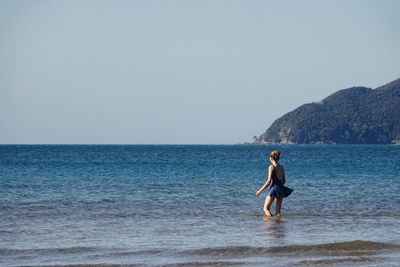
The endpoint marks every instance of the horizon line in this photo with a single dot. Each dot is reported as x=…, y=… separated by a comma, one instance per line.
x=174, y=144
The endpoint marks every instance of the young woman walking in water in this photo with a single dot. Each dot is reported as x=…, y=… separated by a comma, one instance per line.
x=276, y=178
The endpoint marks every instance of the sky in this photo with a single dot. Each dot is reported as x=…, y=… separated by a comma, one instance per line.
x=182, y=72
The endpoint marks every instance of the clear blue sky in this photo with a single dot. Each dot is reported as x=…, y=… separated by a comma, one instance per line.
x=165, y=72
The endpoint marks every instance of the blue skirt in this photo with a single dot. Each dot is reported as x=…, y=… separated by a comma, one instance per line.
x=279, y=191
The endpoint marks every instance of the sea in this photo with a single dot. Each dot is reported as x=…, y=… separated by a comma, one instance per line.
x=195, y=205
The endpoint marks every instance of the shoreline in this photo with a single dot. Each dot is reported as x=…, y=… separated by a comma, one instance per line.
x=348, y=252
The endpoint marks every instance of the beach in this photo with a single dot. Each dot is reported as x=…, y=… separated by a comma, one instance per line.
x=195, y=205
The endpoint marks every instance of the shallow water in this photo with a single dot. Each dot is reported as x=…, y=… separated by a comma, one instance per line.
x=196, y=205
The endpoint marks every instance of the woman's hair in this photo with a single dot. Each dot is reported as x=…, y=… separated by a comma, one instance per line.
x=275, y=154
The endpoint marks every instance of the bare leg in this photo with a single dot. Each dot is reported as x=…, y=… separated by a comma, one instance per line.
x=267, y=206
x=278, y=206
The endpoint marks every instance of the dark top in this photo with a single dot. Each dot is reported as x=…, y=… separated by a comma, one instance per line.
x=277, y=187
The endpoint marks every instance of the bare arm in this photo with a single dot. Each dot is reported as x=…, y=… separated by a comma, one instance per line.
x=266, y=183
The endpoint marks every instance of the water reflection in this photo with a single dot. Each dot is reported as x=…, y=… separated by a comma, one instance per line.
x=275, y=228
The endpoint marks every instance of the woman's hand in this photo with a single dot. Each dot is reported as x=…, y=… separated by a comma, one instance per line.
x=258, y=192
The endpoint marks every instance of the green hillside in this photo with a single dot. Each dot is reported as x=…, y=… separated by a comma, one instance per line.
x=357, y=115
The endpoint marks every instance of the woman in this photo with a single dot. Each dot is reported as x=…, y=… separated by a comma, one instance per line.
x=276, y=177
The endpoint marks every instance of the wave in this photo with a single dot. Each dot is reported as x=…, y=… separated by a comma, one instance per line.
x=119, y=254
x=351, y=248
x=87, y=265
x=67, y=250
x=206, y=263
x=336, y=261
x=179, y=264
x=340, y=214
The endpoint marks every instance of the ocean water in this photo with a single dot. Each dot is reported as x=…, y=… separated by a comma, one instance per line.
x=195, y=205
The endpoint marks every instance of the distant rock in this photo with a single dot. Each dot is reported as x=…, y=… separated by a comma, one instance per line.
x=356, y=115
